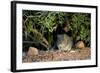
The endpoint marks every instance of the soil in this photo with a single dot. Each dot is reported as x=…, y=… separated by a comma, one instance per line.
x=56, y=55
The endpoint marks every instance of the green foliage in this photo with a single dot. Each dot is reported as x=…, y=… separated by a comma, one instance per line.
x=44, y=22
x=38, y=26
x=80, y=27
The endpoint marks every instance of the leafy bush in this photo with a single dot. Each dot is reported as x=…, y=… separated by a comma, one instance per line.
x=80, y=27
x=44, y=22
x=38, y=26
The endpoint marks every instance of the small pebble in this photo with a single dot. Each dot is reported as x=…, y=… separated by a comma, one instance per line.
x=80, y=45
x=32, y=51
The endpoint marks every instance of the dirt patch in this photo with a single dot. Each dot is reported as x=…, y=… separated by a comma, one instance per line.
x=45, y=56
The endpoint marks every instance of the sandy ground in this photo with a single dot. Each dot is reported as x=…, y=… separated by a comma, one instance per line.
x=45, y=56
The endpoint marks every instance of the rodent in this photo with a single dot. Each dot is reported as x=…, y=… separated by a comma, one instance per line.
x=64, y=42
